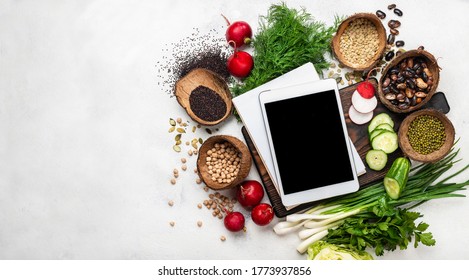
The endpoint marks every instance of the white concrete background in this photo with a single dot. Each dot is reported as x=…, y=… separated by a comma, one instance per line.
x=85, y=157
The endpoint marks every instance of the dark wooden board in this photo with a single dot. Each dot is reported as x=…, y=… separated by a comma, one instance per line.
x=359, y=136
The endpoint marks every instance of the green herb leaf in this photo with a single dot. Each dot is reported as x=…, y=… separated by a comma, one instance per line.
x=286, y=39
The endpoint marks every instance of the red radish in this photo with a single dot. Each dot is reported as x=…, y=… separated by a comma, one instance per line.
x=250, y=193
x=240, y=64
x=363, y=105
x=234, y=221
x=359, y=118
x=262, y=214
x=365, y=88
x=238, y=34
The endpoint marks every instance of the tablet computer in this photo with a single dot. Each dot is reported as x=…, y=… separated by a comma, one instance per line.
x=308, y=140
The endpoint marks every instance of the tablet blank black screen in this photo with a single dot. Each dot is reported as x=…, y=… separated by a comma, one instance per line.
x=309, y=142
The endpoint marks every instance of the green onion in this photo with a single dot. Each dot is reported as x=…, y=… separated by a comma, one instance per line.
x=422, y=186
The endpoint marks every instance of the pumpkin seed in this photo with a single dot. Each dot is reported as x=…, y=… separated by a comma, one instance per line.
x=177, y=148
x=180, y=130
x=201, y=141
x=178, y=142
x=193, y=128
x=171, y=129
x=172, y=122
x=177, y=138
x=347, y=76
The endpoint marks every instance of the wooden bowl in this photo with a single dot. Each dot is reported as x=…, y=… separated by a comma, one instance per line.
x=245, y=161
x=381, y=42
x=406, y=147
x=433, y=67
x=203, y=77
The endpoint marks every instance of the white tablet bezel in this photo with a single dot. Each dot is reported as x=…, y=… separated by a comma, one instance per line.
x=320, y=192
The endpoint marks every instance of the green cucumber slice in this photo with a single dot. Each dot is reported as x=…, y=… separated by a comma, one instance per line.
x=376, y=132
x=386, y=141
x=379, y=119
x=385, y=126
x=376, y=159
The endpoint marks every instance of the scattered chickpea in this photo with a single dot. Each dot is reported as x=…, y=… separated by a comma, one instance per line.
x=199, y=223
x=184, y=167
x=183, y=160
x=222, y=238
x=178, y=120
x=172, y=223
x=198, y=181
x=171, y=203
x=173, y=181
x=199, y=206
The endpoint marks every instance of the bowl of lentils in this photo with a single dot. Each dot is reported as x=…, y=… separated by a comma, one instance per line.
x=223, y=162
x=426, y=135
x=409, y=81
x=360, y=41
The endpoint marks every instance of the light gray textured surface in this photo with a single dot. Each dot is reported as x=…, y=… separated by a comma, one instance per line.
x=85, y=157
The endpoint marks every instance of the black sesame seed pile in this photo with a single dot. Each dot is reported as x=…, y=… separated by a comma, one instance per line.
x=207, y=104
x=209, y=51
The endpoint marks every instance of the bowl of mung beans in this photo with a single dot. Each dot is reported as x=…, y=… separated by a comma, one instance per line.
x=360, y=41
x=426, y=135
x=223, y=162
x=409, y=81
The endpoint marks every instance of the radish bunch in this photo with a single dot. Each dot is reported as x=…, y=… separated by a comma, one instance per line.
x=239, y=34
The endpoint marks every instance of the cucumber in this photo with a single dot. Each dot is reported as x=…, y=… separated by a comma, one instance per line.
x=376, y=132
x=376, y=159
x=385, y=126
x=396, y=177
x=386, y=141
x=379, y=119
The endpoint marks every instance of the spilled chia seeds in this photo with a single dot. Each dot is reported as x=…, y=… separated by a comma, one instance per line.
x=209, y=51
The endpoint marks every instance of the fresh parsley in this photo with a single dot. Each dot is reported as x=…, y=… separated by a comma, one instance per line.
x=384, y=228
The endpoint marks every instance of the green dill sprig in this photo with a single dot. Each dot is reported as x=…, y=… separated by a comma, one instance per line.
x=286, y=39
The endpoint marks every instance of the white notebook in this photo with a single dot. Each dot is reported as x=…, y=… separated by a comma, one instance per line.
x=249, y=109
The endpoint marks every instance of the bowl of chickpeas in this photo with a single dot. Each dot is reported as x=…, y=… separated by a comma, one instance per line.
x=223, y=162
x=360, y=41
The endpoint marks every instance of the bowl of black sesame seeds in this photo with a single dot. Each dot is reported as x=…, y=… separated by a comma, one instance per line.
x=426, y=135
x=205, y=96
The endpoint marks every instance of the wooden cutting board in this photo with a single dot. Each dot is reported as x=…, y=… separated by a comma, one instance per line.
x=359, y=136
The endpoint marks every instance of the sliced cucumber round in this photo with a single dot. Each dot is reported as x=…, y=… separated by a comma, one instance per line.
x=385, y=126
x=379, y=119
x=376, y=132
x=376, y=159
x=386, y=141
